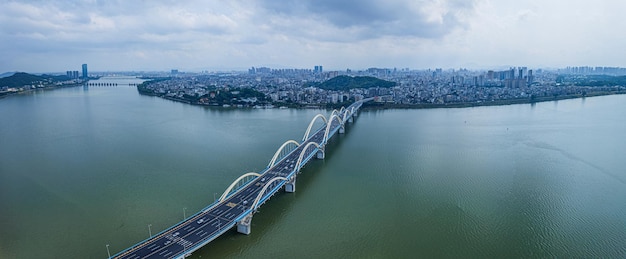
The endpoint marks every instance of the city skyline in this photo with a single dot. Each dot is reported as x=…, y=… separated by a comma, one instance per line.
x=54, y=36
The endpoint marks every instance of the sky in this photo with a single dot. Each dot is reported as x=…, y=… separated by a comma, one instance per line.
x=197, y=35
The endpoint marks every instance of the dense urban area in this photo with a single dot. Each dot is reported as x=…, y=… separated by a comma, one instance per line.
x=266, y=88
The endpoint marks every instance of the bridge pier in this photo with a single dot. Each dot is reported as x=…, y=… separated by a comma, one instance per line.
x=320, y=154
x=291, y=185
x=342, y=130
x=243, y=226
x=350, y=119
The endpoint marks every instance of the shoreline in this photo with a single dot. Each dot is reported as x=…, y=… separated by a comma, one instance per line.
x=384, y=106
x=12, y=93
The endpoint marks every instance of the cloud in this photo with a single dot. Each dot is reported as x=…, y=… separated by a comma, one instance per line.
x=164, y=34
x=366, y=19
x=107, y=21
x=78, y=28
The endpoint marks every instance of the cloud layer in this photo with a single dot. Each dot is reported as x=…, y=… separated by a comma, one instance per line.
x=368, y=19
x=55, y=35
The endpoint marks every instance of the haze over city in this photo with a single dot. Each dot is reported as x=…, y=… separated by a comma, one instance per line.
x=54, y=36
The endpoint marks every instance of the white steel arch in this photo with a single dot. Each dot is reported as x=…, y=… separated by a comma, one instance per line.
x=280, y=149
x=255, y=204
x=334, y=112
x=346, y=114
x=330, y=123
x=308, y=130
x=343, y=109
x=299, y=162
x=230, y=188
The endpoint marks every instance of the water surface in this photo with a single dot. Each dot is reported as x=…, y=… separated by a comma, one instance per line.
x=88, y=166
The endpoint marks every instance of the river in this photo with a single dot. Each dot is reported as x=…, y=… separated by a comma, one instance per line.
x=84, y=167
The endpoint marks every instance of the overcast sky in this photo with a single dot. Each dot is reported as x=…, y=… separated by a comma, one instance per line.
x=194, y=35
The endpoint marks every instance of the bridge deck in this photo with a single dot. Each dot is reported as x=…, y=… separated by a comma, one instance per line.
x=208, y=224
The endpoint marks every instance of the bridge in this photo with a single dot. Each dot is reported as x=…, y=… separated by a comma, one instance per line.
x=110, y=84
x=237, y=205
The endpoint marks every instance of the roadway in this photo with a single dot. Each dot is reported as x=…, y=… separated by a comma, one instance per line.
x=208, y=224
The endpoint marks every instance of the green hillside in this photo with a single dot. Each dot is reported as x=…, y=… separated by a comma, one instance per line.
x=20, y=79
x=342, y=83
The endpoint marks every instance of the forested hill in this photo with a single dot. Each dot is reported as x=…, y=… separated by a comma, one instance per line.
x=20, y=79
x=342, y=83
x=7, y=74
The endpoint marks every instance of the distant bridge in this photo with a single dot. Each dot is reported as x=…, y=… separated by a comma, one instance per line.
x=246, y=194
x=110, y=84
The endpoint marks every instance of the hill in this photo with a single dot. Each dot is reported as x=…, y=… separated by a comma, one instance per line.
x=341, y=83
x=7, y=74
x=20, y=79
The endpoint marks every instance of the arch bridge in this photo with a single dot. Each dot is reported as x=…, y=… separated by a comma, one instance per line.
x=243, y=198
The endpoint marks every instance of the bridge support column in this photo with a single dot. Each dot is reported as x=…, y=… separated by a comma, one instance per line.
x=320, y=154
x=350, y=119
x=291, y=185
x=243, y=226
x=342, y=130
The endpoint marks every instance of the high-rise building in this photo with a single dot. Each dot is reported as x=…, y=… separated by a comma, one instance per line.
x=72, y=74
x=85, y=74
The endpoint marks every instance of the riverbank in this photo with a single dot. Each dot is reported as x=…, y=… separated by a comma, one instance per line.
x=384, y=105
x=381, y=105
x=4, y=94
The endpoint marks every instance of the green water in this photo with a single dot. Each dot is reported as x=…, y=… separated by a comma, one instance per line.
x=84, y=167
